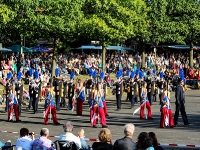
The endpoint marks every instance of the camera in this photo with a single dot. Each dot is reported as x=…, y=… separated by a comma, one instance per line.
x=30, y=133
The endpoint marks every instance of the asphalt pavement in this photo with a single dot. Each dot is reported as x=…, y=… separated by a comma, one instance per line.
x=116, y=120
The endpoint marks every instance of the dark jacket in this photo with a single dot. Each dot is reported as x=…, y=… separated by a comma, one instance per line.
x=124, y=144
x=179, y=95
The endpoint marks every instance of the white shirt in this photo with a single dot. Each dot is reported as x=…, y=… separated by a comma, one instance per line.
x=67, y=136
x=24, y=143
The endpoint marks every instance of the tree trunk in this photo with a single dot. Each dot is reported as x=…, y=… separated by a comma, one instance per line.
x=54, y=60
x=191, y=54
x=143, y=54
x=103, y=57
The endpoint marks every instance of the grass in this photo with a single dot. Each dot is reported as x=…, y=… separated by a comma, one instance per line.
x=82, y=77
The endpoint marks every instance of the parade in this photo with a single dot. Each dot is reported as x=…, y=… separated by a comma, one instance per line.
x=141, y=92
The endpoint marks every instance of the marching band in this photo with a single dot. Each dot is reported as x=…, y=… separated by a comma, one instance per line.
x=138, y=87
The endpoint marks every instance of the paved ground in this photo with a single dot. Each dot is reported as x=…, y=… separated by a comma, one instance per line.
x=115, y=121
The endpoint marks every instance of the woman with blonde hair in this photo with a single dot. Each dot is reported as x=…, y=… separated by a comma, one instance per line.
x=144, y=102
x=105, y=141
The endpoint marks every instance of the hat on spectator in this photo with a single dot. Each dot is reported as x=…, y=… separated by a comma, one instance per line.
x=72, y=76
x=9, y=75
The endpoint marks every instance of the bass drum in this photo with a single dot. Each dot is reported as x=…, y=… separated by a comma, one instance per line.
x=175, y=80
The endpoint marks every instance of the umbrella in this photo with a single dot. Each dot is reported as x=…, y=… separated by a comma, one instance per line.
x=41, y=49
x=5, y=50
x=17, y=48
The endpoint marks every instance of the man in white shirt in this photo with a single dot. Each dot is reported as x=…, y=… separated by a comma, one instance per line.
x=68, y=135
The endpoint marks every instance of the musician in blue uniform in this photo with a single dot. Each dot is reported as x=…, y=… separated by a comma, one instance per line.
x=36, y=91
x=71, y=90
x=127, y=86
x=19, y=90
x=118, y=85
x=57, y=85
x=31, y=88
x=49, y=106
x=153, y=88
x=161, y=86
x=8, y=84
x=132, y=85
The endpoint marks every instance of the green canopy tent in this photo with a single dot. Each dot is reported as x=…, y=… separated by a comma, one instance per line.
x=17, y=48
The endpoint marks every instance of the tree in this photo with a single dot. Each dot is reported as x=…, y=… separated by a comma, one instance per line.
x=175, y=21
x=112, y=21
x=60, y=20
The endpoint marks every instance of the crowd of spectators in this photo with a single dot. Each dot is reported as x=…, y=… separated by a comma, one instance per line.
x=81, y=63
x=27, y=141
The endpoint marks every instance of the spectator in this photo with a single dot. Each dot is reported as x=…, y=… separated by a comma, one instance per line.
x=155, y=141
x=25, y=141
x=144, y=142
x=105, y=141
x=126, y=143
x=69, y=136
x=83, y=142
x=42, y=143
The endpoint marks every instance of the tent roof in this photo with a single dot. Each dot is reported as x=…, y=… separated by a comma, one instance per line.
x=41, y=49
x=100, y=47
x=17, y=48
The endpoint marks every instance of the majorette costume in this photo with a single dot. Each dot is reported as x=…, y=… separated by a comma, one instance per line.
x=166, y=118
x=13, y=106
x=80, y=100
x=49, y=106
x=102, y=75
x=144, y=102
x=98, y=110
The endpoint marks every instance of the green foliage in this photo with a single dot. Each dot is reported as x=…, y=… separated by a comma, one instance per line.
x=175, y=20
x=112, y=21
x=6, y=14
